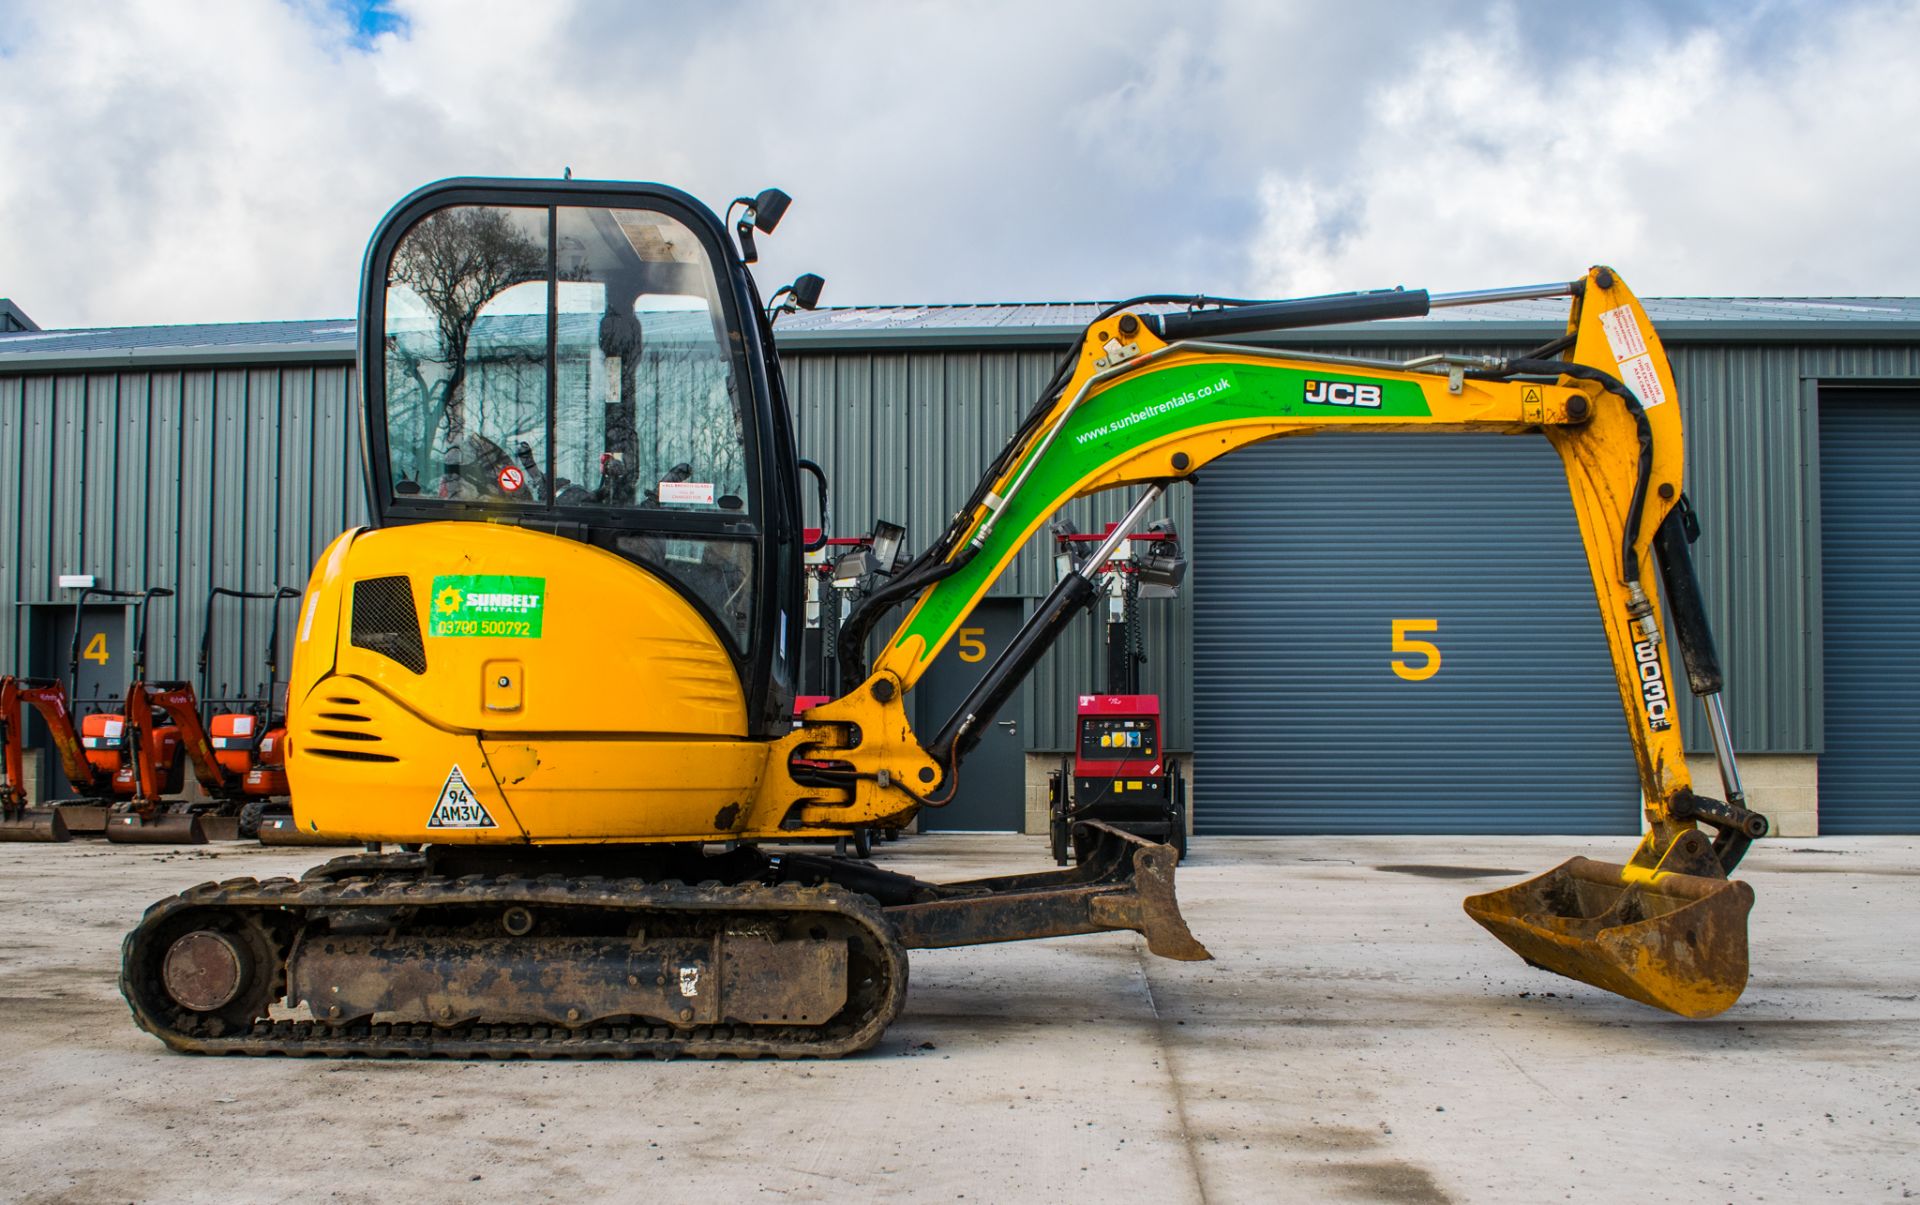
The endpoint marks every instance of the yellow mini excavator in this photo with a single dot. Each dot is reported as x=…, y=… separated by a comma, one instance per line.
x=558, y=669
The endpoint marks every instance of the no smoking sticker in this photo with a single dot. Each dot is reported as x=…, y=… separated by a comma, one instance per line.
x=511, y=479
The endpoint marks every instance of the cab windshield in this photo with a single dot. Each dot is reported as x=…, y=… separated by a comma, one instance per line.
x=560, y=357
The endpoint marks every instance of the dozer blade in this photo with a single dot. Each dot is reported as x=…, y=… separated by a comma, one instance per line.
x=281, y=830
x=84, y=819
x=35, y=824
x=1675, y=941
x=161, y=830
x=1125, y=882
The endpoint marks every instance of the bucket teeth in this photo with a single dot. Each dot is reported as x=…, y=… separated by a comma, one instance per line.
x=1675, y=941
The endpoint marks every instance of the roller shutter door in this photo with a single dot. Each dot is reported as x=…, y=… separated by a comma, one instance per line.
x=1305, y=553
x=1870, y=554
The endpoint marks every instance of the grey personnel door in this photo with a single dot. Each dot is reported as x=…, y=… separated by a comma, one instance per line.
x=992, y=792
x=102, y=677
x=1398, y=634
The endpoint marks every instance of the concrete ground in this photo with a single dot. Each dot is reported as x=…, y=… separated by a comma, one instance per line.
x=1357, y=1039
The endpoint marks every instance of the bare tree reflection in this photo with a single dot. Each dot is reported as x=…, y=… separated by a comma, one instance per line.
x=456, y=261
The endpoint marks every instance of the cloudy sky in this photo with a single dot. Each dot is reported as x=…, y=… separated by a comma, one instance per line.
x=226, y=159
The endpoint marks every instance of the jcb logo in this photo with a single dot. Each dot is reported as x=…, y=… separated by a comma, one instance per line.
x=1653, y=685
x=1343, y=393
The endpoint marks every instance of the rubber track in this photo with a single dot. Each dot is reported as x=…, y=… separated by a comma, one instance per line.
x=275, y=899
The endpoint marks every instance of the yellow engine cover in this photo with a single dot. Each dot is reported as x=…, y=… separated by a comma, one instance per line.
x=546, y=691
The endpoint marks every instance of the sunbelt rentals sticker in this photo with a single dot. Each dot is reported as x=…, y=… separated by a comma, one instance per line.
x=458, y=807
x=487, y=604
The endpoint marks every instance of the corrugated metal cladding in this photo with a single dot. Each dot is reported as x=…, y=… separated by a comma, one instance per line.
x=184, y=478
x=1307, y=552
x=1870, y=519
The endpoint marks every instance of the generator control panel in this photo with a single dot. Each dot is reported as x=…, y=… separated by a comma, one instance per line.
x=1112, y=738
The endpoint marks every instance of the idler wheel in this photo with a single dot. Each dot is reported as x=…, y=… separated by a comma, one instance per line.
x=204, y=970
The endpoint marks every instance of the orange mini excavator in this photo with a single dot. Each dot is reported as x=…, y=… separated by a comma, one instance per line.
x=237, y=752
x=103, y=755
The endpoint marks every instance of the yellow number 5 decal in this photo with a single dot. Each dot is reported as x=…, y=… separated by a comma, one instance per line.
x=1426, y=669
x=972, y=648
x=97, y=648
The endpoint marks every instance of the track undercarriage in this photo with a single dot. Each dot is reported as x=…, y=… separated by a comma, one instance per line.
x=461, y=954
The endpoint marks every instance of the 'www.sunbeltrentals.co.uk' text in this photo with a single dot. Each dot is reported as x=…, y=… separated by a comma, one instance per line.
x=1154, y=411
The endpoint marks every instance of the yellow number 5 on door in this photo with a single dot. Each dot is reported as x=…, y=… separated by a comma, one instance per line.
x=1427, y=649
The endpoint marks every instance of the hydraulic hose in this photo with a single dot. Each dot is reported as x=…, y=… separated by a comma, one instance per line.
x=1289, y=315
x=1629, y=559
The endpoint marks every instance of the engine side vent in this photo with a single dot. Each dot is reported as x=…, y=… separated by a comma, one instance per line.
x=385, y=622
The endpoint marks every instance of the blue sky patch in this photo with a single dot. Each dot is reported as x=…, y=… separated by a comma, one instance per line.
x=368, y=19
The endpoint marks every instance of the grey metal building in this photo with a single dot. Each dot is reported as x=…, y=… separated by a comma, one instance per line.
x=228, y=455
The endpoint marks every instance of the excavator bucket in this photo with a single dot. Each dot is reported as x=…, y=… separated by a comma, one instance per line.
x=161, y=830
x=220, y=828
x=1675, y=941
x=34, y=824
x=83, y=819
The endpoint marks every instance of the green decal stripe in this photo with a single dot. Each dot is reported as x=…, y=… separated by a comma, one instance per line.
x=487, y=604
x=1139, y=411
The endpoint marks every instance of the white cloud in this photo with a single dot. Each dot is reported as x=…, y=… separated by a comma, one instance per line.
x=227, y=160
x=1690, y=163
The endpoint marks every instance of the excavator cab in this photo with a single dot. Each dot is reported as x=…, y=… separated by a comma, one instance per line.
x=589, y=360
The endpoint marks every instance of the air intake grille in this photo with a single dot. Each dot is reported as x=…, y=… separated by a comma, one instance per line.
x=385, y=622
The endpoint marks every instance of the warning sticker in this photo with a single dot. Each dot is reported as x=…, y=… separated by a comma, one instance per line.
x=487, y=604
x=1623, y=333
x=1643, y=378
x=457, y=807
x=511, y=479
x=698, y=492
x=1531, y=406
